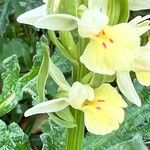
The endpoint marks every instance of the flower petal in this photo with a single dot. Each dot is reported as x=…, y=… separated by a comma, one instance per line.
x=139, y=19
x=48, y=107
x=136, y=5
x=126, y=87
x=142, y=61
x=98, y=4
x=110, y=95
x=109, y=51
x=100, y=123
x=105, y=113
x=58, y=76
x=30, y=17
x=143, y=78
x=60, y=22
x=79, y=93
x=91, y=23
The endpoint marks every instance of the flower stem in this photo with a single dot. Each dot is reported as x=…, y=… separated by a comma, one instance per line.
x=75, y=135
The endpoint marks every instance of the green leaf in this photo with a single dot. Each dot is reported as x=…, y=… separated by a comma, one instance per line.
x=61, y=62
x=135, y=143
x=13, y=86
x=13, y=138
x=53, y=136
x=4, y=11
x=43, y=73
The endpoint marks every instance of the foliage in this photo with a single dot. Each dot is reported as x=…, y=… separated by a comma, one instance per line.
x=53, y=136
x=13, y=138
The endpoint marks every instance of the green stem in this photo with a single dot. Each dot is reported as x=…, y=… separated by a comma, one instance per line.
x=75, y=135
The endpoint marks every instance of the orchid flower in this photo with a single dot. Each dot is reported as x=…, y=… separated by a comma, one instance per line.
x=102, y=107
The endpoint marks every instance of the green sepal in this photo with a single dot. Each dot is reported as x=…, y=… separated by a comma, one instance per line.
x=95, y=80
x=61, y=122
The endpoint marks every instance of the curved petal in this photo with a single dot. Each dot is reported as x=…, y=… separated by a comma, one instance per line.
x=136, y=5
x=58, y=76
x=30, y=17
x=143, y=78
x=60, y=22
x=105, y=113
x=139, y=19
x=47, y=107
x=126, y=87
x=79, y=93
x=108, y=52
x=91, y=23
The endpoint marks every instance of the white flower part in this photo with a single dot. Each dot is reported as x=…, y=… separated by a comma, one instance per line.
x=30, y=17
x=98, y=4
x=135, y=21
x=48, y=107
x=58, y=76
x=79, y=93
x=126, y=87
x=136, y=5
x=91, y=23
x=60, y=22
x=142, y=61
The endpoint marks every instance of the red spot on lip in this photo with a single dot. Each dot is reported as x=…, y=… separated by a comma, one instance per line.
x=111, y=40
x=101, y=100
x=104, y=45
x=98, y=108
x=103, y=32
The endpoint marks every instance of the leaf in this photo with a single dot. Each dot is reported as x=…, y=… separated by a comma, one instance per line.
x=13, y=86
x=53, y=136
x=61, y=62
x=135, y=143
x=12, y=137
x=137, y=121
x=4, y=11
x=15, y=46
x=43, y=73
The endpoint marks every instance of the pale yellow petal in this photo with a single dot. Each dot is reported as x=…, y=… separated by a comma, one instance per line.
x=111, y=51
x=143, y=78
x=142, y=61
x=109, y=94
x=105, y=113
x=100, y=122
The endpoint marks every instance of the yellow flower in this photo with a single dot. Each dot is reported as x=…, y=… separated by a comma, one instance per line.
x=112, y=50
x=105, y=112
x=102, y=107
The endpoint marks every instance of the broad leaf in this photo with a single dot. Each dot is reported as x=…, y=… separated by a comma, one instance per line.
x=13, y=138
